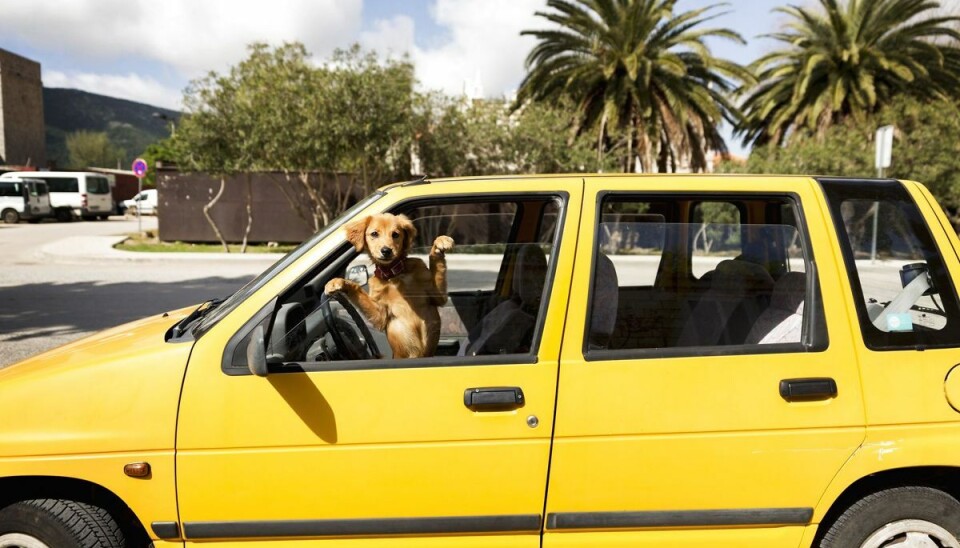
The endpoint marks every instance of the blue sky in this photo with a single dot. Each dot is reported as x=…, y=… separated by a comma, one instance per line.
x=148, y=51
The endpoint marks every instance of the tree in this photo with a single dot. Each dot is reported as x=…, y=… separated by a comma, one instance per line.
x=637, y=71
x=92, y=149
x=926, y=146
x=460, y=137
x=849, y=59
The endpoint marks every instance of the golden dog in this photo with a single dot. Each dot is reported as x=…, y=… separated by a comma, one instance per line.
x=404, y=293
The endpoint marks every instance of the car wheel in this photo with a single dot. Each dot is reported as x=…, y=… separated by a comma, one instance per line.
x=53, y=523
x=903, y=517
x=10, y=216
x=102, y=217
x=64, y=215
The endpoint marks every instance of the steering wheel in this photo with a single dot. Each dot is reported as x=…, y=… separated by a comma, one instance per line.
x=349, y=338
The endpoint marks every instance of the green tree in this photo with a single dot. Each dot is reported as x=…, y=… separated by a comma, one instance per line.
x=92, y=149
x=637, y=71
x=849, y=59
x=926, y=146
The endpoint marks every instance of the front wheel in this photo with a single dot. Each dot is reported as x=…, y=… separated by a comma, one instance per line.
x=902, y=517
x=54, y=523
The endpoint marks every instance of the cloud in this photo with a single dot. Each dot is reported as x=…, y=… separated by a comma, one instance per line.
x=393, y=36
x=190, y=36
x=484, y=53
x=131, y=87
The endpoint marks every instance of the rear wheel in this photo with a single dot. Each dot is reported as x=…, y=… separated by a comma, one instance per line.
x=10, y=216
x=903, y=517
x=53, y=523
x=63, y=215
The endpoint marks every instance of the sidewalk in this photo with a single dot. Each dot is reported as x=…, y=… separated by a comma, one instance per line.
x=98, y=249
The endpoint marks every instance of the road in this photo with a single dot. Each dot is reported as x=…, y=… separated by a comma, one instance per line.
x=44, y=304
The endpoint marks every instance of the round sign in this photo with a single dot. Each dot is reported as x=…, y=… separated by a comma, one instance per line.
x=140, y=168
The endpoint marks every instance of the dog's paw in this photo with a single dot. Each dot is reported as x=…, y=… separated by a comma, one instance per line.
x=335, y=285
x=441, y=245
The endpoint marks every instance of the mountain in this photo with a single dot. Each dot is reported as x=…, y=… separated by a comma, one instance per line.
x=130, y=126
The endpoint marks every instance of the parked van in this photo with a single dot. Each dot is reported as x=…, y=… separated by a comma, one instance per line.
x=26, y=199
x=74, y=193
x=146, y=202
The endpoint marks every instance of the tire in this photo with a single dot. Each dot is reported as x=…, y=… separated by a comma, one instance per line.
x=102, y=217
x=63, y=215
x=10, y=216
x=53, y=523
x=923, y=515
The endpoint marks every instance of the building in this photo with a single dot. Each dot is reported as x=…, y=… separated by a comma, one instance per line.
x=21, y=112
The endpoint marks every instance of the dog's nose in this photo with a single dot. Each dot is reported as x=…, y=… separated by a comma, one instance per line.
x=386, y=252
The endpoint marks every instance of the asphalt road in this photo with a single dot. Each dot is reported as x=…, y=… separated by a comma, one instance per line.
x=44, y=304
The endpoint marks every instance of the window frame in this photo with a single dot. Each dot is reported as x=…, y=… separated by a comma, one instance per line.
x=815, y=335
x=874, y=338
x=340, y=256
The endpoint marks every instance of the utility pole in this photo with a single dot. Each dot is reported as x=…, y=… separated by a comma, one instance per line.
x=884, y=140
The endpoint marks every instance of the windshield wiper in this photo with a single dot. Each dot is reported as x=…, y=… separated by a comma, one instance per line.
x=181, y=327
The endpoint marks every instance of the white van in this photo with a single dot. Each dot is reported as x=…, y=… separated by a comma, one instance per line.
x=146, y=202
x=22, y=198
x=73, y=193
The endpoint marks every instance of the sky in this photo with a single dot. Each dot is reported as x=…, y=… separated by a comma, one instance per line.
x=149, y=50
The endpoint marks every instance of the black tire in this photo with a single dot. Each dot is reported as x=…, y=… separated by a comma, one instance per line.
x=102, y=217
x=62, y=523
x=63, y=215
x=875, y=511
x=10, y=216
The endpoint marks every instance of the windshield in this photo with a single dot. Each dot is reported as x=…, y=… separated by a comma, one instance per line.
x=234, y=300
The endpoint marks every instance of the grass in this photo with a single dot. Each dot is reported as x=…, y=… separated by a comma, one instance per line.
x=151, y=244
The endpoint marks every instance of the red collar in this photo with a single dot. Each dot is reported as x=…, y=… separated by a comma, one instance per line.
x=392, y=270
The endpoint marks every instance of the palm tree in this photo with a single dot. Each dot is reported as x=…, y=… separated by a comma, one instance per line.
x=634, y=68
x=849, y=59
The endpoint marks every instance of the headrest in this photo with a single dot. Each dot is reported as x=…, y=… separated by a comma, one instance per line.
x=606, y=295
x=735, y=275
x=789, y=291
x=529, y=274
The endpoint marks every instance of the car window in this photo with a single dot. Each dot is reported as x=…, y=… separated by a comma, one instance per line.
x=497, y=276
x=676, y=274
x=904, y=295
x=62, y=184
x=11, y=190
x=98, y=185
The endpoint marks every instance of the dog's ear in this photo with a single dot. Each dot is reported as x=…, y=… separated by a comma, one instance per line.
x=409, y=232
x=356, y=232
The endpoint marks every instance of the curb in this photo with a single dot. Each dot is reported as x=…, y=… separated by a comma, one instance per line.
x=99, y=249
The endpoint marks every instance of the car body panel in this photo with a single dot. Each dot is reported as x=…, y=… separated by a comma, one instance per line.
x=108, y=400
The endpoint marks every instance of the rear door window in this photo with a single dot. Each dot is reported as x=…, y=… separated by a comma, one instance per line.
x=903, y=293
x=98, y=185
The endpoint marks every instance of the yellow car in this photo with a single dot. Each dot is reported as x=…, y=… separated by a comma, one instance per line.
x=723, y=361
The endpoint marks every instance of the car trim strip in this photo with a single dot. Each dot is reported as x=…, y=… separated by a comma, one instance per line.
x=679, y=518
x=166, y=529
x=362, y=527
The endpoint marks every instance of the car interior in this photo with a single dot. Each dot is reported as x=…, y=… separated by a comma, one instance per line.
x=497, y=276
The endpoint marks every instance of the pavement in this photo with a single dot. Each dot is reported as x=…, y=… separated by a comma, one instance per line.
x=62, y=281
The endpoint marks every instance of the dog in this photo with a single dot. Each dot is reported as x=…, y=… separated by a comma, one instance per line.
x=404, y=293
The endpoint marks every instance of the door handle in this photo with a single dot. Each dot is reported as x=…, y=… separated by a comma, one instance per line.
x=808, y=389
x=494, y=398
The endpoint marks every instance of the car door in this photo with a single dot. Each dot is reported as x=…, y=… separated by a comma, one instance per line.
x=713, y=408
x=383, y=452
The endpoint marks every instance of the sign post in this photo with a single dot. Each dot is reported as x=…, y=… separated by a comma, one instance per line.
x=884, y=155
x=140, y=170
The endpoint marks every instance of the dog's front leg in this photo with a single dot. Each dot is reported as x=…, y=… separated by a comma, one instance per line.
x=375, y=313
x=438, y=267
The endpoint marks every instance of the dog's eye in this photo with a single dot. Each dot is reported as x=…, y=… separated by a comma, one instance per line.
x=374, y=234
x=395, y=235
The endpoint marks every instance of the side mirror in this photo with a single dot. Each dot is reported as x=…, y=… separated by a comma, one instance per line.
x=257, y=352
x=358, y=274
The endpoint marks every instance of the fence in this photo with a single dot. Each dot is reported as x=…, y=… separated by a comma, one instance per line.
x=281, y=210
